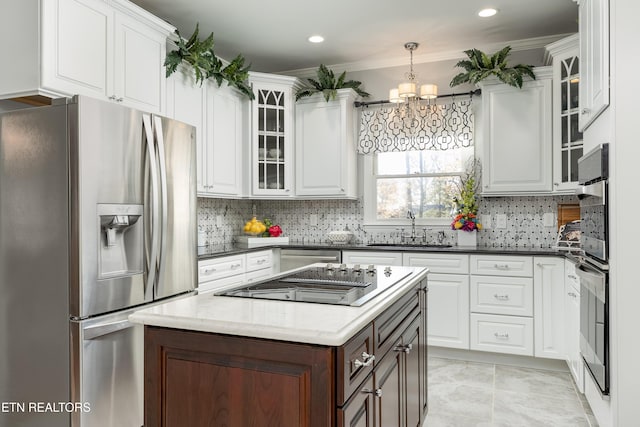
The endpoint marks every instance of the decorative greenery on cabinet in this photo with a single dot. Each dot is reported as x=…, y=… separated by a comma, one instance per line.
x=479, y=66
x=328, y=85
x=200, y=55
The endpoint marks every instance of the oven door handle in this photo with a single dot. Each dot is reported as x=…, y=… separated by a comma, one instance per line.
x=593, y=281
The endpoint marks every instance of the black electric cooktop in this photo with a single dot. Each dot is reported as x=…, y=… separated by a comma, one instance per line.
x=330, y=284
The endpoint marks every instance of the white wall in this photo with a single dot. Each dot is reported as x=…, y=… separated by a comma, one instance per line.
x=625, y=202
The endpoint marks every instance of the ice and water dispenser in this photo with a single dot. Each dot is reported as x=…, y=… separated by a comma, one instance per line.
x=121, y=248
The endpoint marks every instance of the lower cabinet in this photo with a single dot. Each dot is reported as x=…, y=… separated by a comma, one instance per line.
x=572, y=324
x=233, y=270
x=549, y=313
x=378, y=378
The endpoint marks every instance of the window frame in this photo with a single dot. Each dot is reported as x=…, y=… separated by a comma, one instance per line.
x=370, y=196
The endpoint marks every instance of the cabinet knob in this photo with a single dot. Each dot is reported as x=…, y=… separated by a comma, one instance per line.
x=573, y=295
x=377, y=392
x=584, y=111
x=119, y=99
x=556, y=184
x=112, y=97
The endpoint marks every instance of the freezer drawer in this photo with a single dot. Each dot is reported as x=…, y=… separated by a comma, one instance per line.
x=108, y=371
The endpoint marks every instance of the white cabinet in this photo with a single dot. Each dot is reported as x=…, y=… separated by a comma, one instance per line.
x=567, y=138
x=325, y=146
x=225, y=113
x=369, y=257
x=224, y=272
x=272, y=113
x=548, y=280
x=107, y=49
x=593, y=23
x=572, y=324
x=219, y=115
x=502, y=304
x=448, y=301
x=516, y=136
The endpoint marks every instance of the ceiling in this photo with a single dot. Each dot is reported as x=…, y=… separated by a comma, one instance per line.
x=272, y=34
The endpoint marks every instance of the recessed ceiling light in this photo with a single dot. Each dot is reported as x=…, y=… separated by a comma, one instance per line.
x=485, y=13
x=316, y=39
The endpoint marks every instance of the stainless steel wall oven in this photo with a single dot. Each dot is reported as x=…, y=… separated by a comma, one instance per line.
x=593, y=174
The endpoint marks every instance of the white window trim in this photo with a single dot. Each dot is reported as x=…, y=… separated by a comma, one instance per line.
x=370, y=205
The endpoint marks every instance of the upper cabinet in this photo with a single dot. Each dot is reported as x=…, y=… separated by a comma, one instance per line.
x=593, y=24
x=325, y=146
x=272, y=130
x=219, y=115
x=516, y=136
x=567, y=138
x=107, y=49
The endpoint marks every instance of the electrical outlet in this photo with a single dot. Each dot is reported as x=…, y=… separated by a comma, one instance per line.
x=485, y=220
x=548, y=220
x=501, y=221
x=313, y=220
x=218, y=221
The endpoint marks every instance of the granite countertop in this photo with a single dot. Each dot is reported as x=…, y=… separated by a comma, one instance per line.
x=292, y=321
x=213, y=251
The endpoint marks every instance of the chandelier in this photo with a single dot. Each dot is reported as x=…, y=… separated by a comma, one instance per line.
x=410, y=92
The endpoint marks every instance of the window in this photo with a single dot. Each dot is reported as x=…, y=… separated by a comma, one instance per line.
x=420, y=181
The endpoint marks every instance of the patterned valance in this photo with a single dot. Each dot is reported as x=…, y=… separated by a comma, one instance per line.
x=427, y=127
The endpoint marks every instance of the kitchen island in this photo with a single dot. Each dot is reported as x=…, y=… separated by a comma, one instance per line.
x=222, y=361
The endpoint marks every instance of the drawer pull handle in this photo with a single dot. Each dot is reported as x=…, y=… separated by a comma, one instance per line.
x=261, y=261
x=404, y=348
x=571, y=276
x=501, y=266
x=503, y=336
x=499, y=297
x=377, y=392
x=367, y=360
x=234, y=266
x=573, y=295
x=209, y=270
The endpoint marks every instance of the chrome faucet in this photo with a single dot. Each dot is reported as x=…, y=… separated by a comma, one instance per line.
x=412, y=217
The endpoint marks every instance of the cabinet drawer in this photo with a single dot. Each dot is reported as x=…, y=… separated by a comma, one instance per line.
x=221, y=284
x=388, y=327
x=368, y=257
x=521, y=266
x=350, y=356
x=502, y=334
x=217, y=268
x=438, y=263
x=259, y=260
x=502, y=295
x=257, y=275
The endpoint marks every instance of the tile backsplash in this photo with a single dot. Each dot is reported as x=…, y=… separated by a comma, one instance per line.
x=222, y=219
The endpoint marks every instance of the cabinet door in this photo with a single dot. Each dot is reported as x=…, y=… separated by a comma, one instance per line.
x=517, y=137
x=224, y=140
x=594, y=59
x=272, y=140
x=139, y=74
x=359, y=412
x=415, y=355
x=448, y=310
x=325, y=152
x=77, y=46
x=572, y=325
x=548, y=285
x=186, y=102
x=388, y=385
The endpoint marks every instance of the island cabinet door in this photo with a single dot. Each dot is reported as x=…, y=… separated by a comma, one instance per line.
x=359, y=411
x=199, y=379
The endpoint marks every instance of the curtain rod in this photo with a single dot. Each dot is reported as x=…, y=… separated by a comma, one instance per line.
x=386, y=101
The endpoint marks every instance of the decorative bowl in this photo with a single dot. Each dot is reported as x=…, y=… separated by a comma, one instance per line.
x=340, y=237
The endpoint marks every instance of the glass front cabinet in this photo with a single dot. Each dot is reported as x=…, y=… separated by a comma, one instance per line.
x=272, y=154
x=563, y=55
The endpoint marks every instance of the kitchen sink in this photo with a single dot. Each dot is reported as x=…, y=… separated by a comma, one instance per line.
x=410, y=245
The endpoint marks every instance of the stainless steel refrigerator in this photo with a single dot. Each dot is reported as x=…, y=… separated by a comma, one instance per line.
x=97, y=216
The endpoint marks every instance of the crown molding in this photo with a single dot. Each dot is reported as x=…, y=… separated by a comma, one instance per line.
x=516, y=45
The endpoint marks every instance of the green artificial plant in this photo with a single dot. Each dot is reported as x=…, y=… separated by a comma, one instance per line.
x=479, y=66
x=199, y=54
x=329, y=85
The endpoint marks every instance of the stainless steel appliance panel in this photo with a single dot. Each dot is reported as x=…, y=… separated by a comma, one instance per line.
x=594, y=323
x=106, y=140
x=34, y=297
x=177, y=257
x=110, y=375
x=295, y=258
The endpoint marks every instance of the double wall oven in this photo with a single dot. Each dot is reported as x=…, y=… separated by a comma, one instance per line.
x=593, y=268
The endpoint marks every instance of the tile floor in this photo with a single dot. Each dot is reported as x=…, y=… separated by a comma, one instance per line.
x=470, y=394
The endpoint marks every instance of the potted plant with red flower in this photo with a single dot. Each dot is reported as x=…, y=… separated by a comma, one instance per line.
x=466, y=220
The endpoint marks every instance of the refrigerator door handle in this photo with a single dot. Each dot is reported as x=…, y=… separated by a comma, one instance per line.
x=97, y=331
x=163, y=190
x=153, y=228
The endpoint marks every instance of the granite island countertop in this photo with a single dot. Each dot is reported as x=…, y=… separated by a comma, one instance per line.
x=302, y=322
x=213, y=251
